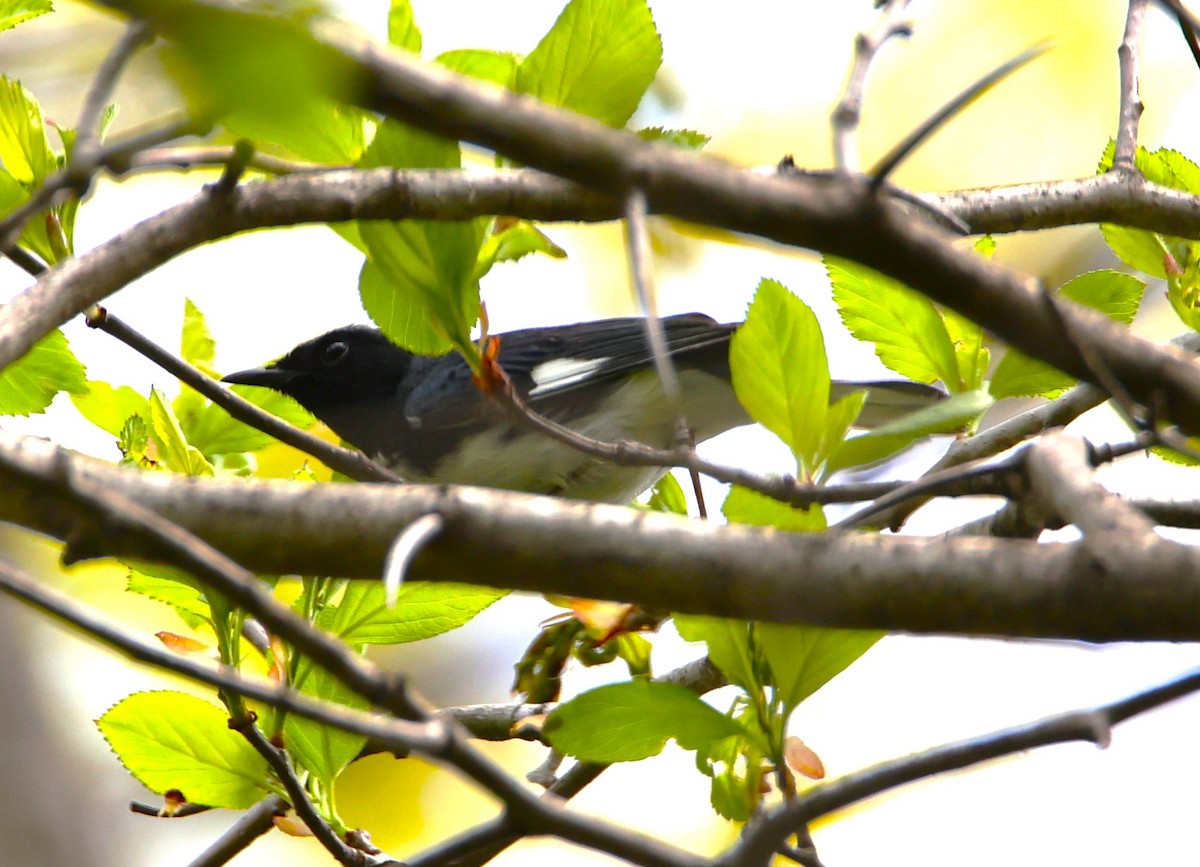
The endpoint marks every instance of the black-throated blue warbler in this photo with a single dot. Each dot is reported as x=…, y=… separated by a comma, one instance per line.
x=425, y=418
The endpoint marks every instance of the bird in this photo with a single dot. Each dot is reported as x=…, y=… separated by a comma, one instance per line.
x=425, y=418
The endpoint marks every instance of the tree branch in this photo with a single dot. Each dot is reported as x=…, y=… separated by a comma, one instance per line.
x=1131, y=104
x=435, y=739
x=1094, y=725
x=281, y=765
x=841, y=216
x=968, y=586
x=352, y=463
x=848, y=112
x=251, y=825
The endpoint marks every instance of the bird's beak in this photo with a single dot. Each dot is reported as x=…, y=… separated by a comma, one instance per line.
x=268, y=377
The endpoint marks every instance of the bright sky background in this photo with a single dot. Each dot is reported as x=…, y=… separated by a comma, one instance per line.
x=761, y=77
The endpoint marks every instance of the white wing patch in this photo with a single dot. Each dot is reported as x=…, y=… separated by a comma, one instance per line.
x=562, y=372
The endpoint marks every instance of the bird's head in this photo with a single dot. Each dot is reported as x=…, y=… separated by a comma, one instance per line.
x=343, y=366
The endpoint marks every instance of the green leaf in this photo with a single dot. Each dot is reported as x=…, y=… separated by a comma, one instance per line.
x=598, y=59
x=108, y=408
x=1183, y=288
x=28, y=160
x=172, y=588
x=170, y=740
x=323, y=750
x=635, y=650
x=735, y=765
x=779, y=338
x=404, y=147
x=972, y=356
x=107, y=118
x=427, y=269
x=321, y=132
x=514, y=241
x=685, y=139
x=744, y=506
x=24, y=148
x=948, y=416
x=1141, y=250
x=986, y=246
x=30, y=384
x=1018, y=375
x=907, y=330
x=1147, y=251
x=174, y=449
x=214, y=431
x=33, y=237
x=667, y=496
x=498, y=67
x=134, y=441
x=264, y=75
x=196, y=345
x=1171, y=456
x=728, y=646
x=422, y=610
x=402, y=28
x=420, y=286
x=409, y=322
x=838, y=421
x=627, y=722
x=13, y=12
x=805, y=658
x=209, y=427
x=1112, y=293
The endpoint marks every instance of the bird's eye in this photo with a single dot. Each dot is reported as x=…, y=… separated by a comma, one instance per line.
x=334, y=353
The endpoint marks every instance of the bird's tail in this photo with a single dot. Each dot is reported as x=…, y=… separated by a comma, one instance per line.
x=888, y=400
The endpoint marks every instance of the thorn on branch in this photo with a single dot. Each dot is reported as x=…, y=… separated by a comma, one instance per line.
x=404, y=550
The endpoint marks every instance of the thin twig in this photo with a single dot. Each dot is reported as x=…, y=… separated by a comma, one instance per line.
x=1190, y=35
x=1125, y=150
x=847, y=114
x=1093, y=725
x=627, y=453
x=239, y=161
x=435, y=739
x=251, y=825
x=352, y=463
x=218, y=156
x=138, y=808
x=23, y=259
x=637, y=244
x=398, y=735
x=482, y=843
x=76, y=177
x=880, y=172
x=1138, y=417
x=1186, y=17
x=87, y=127
x=439, y=739
x=1011, y=432
x=305, y=811
x=1061, y=475
x=1000, y=478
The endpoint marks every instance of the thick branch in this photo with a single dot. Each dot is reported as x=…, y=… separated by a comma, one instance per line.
x=972, y=586
x=339, y=196
x=841, y=216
